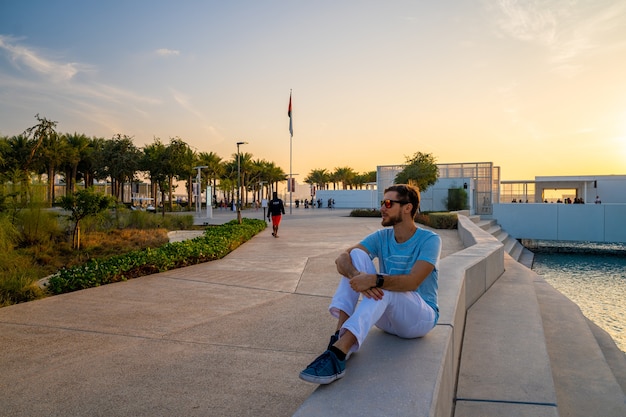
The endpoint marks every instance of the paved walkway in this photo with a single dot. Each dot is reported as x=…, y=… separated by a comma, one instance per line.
x=224, y=338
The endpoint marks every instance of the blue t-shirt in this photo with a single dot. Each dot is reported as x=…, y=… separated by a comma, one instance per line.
x=398, y=258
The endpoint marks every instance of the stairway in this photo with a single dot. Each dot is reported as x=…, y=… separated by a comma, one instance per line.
x=521, y=329
x=511, y=245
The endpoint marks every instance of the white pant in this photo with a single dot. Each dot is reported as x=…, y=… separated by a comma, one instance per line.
x=404, y=314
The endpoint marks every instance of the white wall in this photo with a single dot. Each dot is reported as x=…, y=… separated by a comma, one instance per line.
x=571, y=222
x=434, y=199
x=349, y=198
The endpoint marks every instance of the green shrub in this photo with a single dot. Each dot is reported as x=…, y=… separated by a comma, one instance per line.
x=365, y=213
x=123, y=218
x=457, y=199
x=438, y=220
x=215, y=243
x=443, y=220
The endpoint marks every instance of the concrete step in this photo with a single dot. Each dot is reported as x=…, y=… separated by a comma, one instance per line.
x=502, y=236
x=474, y=218
x=505, y=368
x=509, y=244
x=615, y=357
x=494, y=230
x=516, y=251
x=526, y=258
x=585, y=383
x=486, y=224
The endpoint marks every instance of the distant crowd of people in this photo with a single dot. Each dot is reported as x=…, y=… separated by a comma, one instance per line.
x=577, y=200
x=315, y=203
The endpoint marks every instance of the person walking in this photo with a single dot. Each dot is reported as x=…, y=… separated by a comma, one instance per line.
x=401, y=299
x=276, y=209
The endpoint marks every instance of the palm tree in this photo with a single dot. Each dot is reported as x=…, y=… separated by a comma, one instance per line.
x=152, y=162
x=17, y=166
x=319, y=178
x=180, y=161
x=77, y=148
x=345, y=175
x=91, y=165
x=245, y=168
x=275, y=175
x=228, y=180
x=121, y=157
x=215, y=168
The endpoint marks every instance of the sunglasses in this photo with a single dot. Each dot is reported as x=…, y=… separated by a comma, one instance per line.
x=388, y=203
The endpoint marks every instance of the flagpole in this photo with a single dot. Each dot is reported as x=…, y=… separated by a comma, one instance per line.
x=290, y=175
x=290, y=158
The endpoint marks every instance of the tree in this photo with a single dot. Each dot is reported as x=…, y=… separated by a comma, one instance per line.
x=319, y=178
x=91, y=164
x=215, y=168
x=77, y=149
x=420, y=170
x=47, y=151
x=345, y=176
x=83, y=203
x=151, y=162
x=121, y=157
x=16, y=167
x=179, y=160
x=457, y=199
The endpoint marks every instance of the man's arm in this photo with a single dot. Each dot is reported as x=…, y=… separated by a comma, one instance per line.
x=344, y=262
x=358, y=280
x=363, y=282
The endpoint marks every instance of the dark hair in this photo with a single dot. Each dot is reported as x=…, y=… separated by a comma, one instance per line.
x=407, y=193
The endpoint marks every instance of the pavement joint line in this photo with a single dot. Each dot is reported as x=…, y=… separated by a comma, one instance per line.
x=478, y=400
x=223, y=284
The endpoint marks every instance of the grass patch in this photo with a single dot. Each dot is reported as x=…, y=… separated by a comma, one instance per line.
x=216, y=243
x=34, y=244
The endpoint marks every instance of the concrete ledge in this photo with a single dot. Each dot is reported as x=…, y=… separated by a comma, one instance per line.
x=395, y=377
x=505, y=359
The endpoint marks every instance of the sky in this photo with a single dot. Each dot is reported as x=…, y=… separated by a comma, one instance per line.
x=536, y=87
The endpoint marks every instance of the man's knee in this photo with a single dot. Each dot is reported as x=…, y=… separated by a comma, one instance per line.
x=358, y=254
x=362, y=261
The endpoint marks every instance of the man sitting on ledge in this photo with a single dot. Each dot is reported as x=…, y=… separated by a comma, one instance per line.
x=401, y=299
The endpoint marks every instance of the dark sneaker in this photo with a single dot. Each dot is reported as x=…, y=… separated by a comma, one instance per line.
x=325, y=369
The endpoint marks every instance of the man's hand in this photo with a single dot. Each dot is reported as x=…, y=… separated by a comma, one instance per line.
x=365, y=284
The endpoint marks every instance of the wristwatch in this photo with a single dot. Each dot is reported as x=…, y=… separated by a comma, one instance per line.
x=380, y=280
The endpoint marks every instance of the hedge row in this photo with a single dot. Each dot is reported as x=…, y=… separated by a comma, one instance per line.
x=436, y=220
x=215, y=243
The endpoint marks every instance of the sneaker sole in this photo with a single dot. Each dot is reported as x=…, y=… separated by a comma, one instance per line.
x=322, y=380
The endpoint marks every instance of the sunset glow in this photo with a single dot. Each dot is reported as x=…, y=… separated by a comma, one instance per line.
x=537, y=88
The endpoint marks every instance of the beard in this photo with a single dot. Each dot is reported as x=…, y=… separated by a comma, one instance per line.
x=392, y=220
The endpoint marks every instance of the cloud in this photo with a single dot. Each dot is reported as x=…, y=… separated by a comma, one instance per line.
x=167, y=52
x=184, y=101
x=51, y=85
x=570, y=31
x=25, y=57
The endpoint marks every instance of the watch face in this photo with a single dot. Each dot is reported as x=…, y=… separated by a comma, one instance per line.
x=380, y=280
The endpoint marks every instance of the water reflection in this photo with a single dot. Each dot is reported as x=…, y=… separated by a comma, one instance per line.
x=595, y=281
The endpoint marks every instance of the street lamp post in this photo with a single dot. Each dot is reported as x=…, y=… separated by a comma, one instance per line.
x=239, y=182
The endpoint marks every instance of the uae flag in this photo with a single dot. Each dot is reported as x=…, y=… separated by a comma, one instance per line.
x=289, y=114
